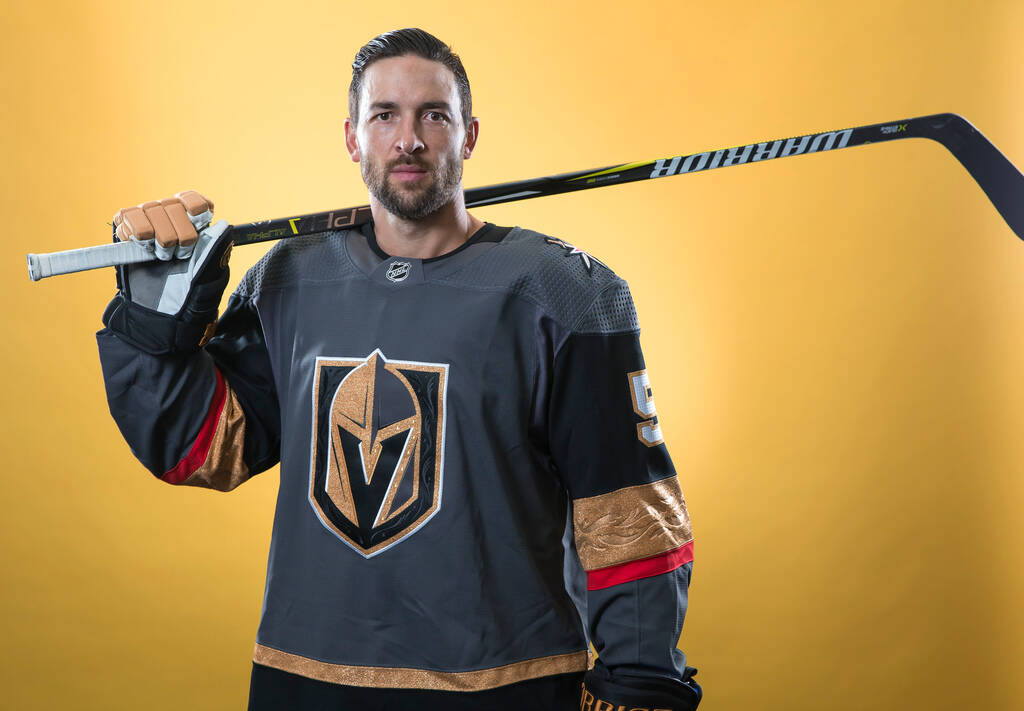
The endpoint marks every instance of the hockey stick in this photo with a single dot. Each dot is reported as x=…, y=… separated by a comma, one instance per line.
x=993, y=172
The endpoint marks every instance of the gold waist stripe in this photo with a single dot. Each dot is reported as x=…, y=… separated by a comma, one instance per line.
x=404, y=678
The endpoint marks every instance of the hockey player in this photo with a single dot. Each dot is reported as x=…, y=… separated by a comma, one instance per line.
x=473, y=480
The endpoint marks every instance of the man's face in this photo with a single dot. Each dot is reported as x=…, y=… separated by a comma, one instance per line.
x=410, y=141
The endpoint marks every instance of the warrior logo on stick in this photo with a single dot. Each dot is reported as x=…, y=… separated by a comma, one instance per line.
x=378, y=448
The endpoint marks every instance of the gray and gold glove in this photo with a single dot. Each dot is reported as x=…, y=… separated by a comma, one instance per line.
x=170, y=306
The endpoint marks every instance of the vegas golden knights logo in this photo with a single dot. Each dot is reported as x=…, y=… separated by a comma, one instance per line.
x=378, y=448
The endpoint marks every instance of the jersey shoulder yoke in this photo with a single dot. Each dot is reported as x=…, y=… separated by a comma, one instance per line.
x=315, y=257
x=574, y=288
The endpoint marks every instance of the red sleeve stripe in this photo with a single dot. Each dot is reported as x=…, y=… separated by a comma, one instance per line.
x=636, y=569
x=201, y=447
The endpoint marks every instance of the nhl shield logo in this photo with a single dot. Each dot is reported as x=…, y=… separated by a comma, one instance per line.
x=398, y=271
x=378, y=448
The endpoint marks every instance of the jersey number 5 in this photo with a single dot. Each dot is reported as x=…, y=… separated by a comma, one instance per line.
x=648, y=431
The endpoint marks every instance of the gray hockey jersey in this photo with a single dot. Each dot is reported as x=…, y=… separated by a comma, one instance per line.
x=473, y=479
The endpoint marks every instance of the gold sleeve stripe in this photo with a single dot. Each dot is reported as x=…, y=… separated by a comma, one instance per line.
x=201, y=446
x=215, y=460
x=406, y=678
x=631, y=523
x=224, y=468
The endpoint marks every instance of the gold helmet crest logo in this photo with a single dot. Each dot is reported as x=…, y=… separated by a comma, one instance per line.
x=355, y=411
x=378, y=448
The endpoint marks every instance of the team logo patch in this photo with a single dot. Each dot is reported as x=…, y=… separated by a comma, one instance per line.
x=398, y=271
x=378, y=448
x=570, y=250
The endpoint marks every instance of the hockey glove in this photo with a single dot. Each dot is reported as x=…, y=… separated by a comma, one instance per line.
x=170, y=306
x=603, y=691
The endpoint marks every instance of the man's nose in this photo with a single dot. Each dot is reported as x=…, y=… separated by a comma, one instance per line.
x=409, y=140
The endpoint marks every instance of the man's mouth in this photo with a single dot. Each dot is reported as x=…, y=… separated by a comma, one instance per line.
x=408, y=172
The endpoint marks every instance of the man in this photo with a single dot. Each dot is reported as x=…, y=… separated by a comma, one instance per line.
x=473, y=480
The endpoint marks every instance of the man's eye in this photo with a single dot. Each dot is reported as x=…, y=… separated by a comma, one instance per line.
x=436, y=116
x=384, y=115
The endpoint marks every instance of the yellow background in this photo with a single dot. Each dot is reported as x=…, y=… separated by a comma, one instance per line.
x=835, y=340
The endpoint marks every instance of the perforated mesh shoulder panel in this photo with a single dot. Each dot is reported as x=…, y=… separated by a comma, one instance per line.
x=316, y=257
x=527, y=263
x=611, y=312
x=543, y=270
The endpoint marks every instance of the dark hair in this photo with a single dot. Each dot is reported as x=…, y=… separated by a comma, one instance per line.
x=398, y=43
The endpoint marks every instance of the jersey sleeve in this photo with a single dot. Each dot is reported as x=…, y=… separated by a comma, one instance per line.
x=210, y=419
x=631, y=528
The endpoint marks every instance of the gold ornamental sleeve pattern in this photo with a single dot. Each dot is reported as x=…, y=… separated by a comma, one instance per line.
x=224, y=467
x=631, y=523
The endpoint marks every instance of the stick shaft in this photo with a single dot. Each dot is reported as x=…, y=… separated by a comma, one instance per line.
x=994, y=173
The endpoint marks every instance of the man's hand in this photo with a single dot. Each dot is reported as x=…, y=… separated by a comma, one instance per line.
x=170, y=306
x=168, y=226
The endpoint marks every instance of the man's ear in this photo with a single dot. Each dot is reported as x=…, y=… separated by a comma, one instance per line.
x=472, y=133
x=351, y=144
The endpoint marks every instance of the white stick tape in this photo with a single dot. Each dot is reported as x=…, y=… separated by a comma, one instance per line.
x=41, y=266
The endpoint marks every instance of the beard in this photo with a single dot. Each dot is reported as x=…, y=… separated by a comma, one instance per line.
x=413, y=202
